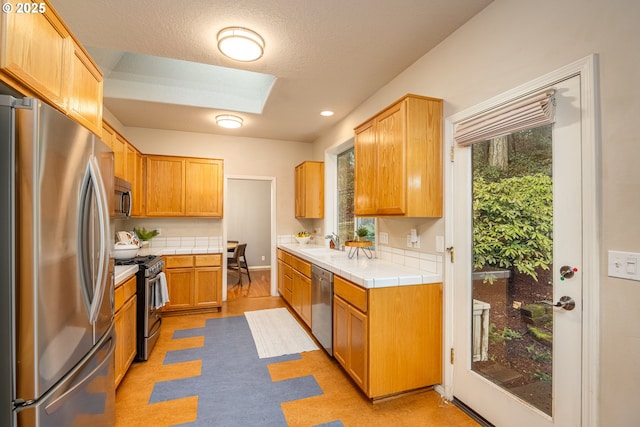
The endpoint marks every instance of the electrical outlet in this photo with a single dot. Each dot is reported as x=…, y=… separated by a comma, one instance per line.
x=263, y=258
x=409, y=243
x=384, y=237
x=159, y=231
x=416, y=243
x=440, y=244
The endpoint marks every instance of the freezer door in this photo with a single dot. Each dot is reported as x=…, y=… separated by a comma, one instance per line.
x=86, y=396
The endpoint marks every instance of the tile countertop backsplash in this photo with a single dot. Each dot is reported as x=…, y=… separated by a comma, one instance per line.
x=182, y=245
x=393, y=267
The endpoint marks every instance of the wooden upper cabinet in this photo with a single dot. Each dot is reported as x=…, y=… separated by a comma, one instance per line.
x=34, y=51
x=85, y=90
x=398, y=160
x=183, y=186
x=165, y=186
x=128, y=165
x=203, y=189
x=40, y=57
x=309, y=190
x=138, y=186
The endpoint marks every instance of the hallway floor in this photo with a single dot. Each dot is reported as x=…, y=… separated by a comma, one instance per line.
x=341, y=400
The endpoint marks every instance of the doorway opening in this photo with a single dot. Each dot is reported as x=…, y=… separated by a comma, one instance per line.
x=250, y=220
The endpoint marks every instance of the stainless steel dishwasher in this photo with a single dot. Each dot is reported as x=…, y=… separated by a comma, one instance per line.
x=322, y=307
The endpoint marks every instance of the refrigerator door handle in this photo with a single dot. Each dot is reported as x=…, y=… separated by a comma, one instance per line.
x=93, y=172
x=55, y=405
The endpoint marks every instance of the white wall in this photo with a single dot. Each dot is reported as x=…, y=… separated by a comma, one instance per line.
x=510, y=43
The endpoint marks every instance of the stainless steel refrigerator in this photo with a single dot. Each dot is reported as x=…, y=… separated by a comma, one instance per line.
x=56, y=271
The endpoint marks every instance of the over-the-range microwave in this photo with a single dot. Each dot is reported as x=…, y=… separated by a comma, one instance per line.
x=122, y=198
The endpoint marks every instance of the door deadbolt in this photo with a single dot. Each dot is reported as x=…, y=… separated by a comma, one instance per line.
x=567, y=272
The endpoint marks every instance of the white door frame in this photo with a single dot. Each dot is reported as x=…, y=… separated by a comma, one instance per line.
x=586, y=68
x=274, y=273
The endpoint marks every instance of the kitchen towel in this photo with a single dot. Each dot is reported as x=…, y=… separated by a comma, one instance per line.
x=161, y=292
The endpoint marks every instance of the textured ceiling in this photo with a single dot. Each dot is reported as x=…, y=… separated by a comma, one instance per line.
x=324, y=54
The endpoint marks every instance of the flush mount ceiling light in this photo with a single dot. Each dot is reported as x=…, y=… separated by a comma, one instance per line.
x=326, y=113
x=240, y=44
x=228, y=121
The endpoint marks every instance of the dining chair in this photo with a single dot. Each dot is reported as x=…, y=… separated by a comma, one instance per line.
x=238, y=262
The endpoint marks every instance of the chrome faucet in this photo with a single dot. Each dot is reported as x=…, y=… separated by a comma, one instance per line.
x=335, y=239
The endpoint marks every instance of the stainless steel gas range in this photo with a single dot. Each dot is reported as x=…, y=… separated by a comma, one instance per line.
x=148, y=315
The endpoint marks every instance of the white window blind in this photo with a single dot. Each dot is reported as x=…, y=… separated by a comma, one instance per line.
x=525, y=113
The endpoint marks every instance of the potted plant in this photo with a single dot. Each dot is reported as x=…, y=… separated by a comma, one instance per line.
x=145, y=235
x=362, y=232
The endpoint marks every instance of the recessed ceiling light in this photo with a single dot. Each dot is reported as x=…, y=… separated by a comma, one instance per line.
x=240, y=44
x=228, y=121
x=326, y=113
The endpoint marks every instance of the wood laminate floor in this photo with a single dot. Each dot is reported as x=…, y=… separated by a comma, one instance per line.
x=341, y=399
x=260, y=285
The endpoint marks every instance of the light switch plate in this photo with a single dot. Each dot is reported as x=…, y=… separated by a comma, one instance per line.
x=625, y=265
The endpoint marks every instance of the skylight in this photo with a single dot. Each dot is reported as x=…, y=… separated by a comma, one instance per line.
x=171, y=81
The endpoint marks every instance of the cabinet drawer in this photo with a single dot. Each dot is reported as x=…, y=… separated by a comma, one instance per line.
x=214, y=260
x=288, y=271
x=353, y=294
x=124, y=292
x=178, y=261
x=302, y=266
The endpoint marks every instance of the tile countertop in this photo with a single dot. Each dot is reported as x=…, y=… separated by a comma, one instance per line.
x=123, y=272
x=368, y=273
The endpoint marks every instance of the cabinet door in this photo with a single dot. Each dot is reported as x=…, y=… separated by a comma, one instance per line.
x=300, y=192
x=208, y=287
x=180, y=286
x=119, y=323
x=108, y=135
x=129, y=157
x=365, y=170
x=85, y=91
x=129, y=341
x=138, y=186
x=341, y=331
x=391, y=177
x=34, y=51
x=301, y=296
x=305, y=300
x=296, y=292
x=281, y=277
x=164, y=186
x=118, y=145
x=358, y=348
x=203, y=189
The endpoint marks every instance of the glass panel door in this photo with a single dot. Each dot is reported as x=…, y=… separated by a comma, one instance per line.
x=512, y=328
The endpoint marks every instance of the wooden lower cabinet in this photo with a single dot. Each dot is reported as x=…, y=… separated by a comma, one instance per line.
x=350, y=342
x=125, y=325
x=389, y=340
x=285, y=280
x=194, y=282
x=294, y=284
x=301, y=296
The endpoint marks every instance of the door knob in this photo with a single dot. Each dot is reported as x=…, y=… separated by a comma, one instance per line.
x=565, y=302
x=567, y=272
